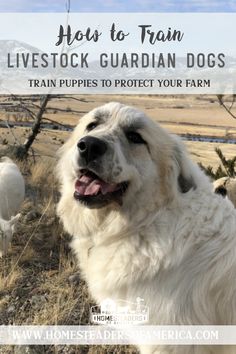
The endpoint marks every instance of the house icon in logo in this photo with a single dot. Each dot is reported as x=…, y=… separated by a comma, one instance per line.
x=108, y=306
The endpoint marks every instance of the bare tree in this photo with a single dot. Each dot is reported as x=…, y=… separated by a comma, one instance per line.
x=22, y=151
x=228, y=108
x=36, y=126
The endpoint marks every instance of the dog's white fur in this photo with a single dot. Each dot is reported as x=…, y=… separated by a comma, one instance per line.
x=172, y=242
x=12, y=191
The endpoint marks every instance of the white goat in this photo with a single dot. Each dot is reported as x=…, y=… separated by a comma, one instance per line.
x=12, y=192
x=226, y=186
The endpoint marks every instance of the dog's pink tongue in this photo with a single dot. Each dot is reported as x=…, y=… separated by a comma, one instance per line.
x=87, y=185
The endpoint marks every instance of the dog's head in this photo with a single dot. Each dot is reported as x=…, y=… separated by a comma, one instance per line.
x=119, y=158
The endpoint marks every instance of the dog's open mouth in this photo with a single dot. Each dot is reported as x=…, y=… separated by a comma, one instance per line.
x=94, y=192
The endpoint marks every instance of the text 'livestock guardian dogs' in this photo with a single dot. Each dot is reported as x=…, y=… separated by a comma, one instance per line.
x=114, y=60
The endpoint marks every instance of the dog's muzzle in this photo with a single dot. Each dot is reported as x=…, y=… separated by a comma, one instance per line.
x=90, y=188
x=91, y=148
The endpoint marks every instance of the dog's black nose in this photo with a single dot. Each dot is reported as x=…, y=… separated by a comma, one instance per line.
x=90, y=148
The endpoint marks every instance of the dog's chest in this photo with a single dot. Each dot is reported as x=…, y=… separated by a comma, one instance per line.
x=112, y=268
x=106, y=272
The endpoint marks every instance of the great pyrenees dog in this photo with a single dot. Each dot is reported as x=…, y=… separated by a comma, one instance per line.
x=146, y=223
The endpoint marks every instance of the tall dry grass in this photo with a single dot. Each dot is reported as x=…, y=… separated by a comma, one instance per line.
x=34, y=276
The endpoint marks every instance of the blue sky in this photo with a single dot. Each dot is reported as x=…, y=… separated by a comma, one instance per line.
x=119, y=5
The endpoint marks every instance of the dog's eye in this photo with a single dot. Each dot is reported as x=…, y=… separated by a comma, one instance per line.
x=91, y=126
x=135, y=138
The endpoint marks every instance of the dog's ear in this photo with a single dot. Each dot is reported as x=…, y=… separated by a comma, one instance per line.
x=185, y=184
x=185, y=178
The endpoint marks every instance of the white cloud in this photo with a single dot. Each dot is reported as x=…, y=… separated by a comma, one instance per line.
x=187, y=5
x=118, y=5
x=15, y=5
x=99, y=5
x=29, y=5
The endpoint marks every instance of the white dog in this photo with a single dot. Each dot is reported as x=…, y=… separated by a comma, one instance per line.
x=146, y=223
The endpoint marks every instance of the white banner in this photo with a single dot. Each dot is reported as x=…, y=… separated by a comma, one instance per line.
x=82, y=335
x=117, y=53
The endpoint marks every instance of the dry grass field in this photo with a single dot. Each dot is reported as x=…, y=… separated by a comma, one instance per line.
x=35, y=286
x=35, y=283
x=185, y=114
